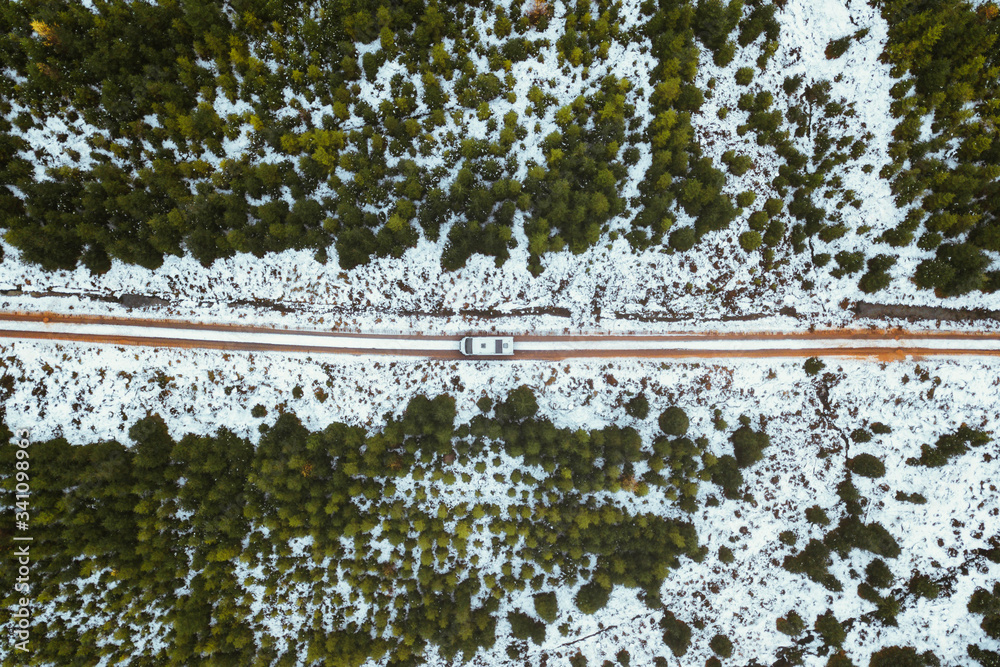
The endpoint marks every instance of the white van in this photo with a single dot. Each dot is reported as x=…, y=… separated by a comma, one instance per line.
x=487, y=346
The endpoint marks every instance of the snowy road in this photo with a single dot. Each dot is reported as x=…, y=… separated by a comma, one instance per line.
x=166, y=333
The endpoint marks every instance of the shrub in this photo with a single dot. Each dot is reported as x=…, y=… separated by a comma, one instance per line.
x=790, y=624
x=748, y=445
x=915, y=498
x=880, y=428
x=848, y=493
x=674, y=421
x=839, y=659
x=948, y=446
x=524, y=627
x=988, y=604
x=860, y=435
x=847, y=263
x=817, y=515
x=638, y=407
x=623, y=657
x=258, y=411
x=682, y=239
x=726, y=474
x=896, y=656
x=851, y=533
x=744, y=76
x=775, y=232
x=921, y=584
x=745, y=198
x=740, y=165
x=878, y=574
x=813, y=562
x=813, y=365
x=676, y=634
x=726, y=554
x=830, y=629
x=787, y=537
x=721, y=645
x=546, y=606
x=773, y=206
x=874, y=281
x=592, y=597
x=866, y=465
x=751, y=240
x=984, y=657
x=758, y=221
x=836, y=47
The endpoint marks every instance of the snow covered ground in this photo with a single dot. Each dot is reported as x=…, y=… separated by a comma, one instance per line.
x=607, y=288
x=88, y=393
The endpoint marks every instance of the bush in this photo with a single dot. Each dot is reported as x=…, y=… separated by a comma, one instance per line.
x=746, y=198
x=740, y=165
x=520, y=405
x=682, y=239
x=921, y=585
x=546, y=606
x=874, y=281
x=896, y=656
x=847, y=263
x=984, y=657
x=839, y=659
x=860, y=435
x=880, y=428
x=915, y=498
x=623, y=657
x=638, y=407
x=836, y=47
x=721, y=645
x=676, y=634
x=988, y=604
x=748, y=445
x=817, y=515
x=830, y=629
x=744, y=76
x=258, y=411
x=726, y=555
x=957, y=269
x=592, y=597
x=848, y=493
x=814, y=561
x=726, y=474
x=790, y=624
x=524, y=627
x=750, y=241
x=866, y=465
x=758, y=221
x=948, y=446
x=813, y=365
x=878, y=574
x=773, y=206
x=787, y=537
x=851, y=533
x=674, y=421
